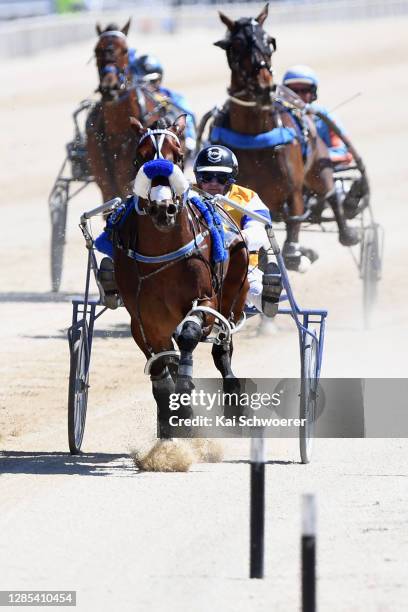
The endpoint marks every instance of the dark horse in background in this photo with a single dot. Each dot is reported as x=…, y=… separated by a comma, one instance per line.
x=163, y=266
x=111, y=143
x=278, y=172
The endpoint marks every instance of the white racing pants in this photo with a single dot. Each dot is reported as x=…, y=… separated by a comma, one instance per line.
x=254, y=297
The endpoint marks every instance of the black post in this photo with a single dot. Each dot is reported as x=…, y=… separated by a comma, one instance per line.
x=308, y=554
x=257, y=512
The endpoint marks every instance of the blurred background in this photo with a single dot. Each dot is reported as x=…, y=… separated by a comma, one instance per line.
x=28, y=26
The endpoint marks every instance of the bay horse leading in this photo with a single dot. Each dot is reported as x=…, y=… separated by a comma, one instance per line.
x=171, y=267
x=268, y=140
x=111, y=143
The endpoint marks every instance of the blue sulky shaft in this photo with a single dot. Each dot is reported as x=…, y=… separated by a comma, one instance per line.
x=273, y=242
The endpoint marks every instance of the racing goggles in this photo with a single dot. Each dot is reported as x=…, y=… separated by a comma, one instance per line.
x=222, y=178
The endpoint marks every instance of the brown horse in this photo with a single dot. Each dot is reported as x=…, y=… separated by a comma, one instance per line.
x=111, y=143
x=163, y=267
x=279, y=173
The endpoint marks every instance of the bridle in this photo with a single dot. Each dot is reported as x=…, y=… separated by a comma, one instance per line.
x=177, y=190
x=157, y=137
x=257, y=42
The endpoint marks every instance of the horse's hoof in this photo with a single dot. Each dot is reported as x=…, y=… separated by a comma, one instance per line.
x=311, y=254
x=291, y=255
x=353, y=207
x=164, y=430
x=112, y=301
x=349, y=236
x=298, y=258
x=231, y=386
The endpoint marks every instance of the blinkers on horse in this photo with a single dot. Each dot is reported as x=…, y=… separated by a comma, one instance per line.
x=249, y=51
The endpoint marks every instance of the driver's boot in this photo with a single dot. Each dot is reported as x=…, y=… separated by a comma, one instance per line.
x=106, y=278
x=271, y=289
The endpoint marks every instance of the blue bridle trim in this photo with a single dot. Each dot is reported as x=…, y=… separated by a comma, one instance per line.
x=183, y=251
x=274, y=138
x=110, y=68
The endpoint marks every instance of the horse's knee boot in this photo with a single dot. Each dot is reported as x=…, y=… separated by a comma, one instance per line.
x=187, y=340
x=222, y=360
x=163, y=387
x=189, y=336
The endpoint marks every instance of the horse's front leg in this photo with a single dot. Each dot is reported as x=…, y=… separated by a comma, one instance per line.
x=187, y=340
x=162, y=387
x=222, y=354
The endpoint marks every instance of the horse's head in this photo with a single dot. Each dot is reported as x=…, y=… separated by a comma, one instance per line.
x=249, y=51
x=160, y=181
x=112, y=60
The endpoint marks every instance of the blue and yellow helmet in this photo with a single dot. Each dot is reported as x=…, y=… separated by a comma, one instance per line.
x=301, y=74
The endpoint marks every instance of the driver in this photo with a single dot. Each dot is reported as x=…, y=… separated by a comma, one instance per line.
x=303, y=81
x=149, y=70
x=215, y=170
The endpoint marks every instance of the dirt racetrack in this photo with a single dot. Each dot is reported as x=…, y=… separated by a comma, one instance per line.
x=131, y=541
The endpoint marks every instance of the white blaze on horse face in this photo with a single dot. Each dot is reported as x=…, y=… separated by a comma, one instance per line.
x=160, y=193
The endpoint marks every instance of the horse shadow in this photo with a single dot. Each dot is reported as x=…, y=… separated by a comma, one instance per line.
x=86, y=464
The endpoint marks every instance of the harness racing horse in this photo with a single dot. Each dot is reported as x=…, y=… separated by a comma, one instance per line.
x=111, y=143
x=165, y=270
x=267, y=138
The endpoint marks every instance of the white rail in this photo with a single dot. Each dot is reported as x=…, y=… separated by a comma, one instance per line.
x=27, y=36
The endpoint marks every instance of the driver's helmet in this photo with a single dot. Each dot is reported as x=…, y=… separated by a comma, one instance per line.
x=148, y=68
x=302, y=75
x=218, y=160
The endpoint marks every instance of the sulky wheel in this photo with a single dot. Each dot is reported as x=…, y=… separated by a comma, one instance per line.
x=308, y=396
x=58, y=211
x=78, y=386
